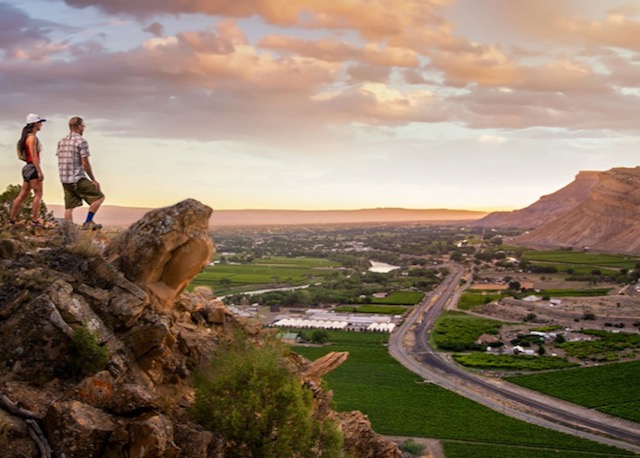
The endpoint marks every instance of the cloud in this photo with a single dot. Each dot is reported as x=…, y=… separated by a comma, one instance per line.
x=275, y=82
x=491, y=139
x=491, y=108
x=155, y=28
x=370, y=73
x=24, y=38
x=323, y=49
x=618, y=29
x=566, y=22
x=372, y=19
x=377, y=103
x=207, y=85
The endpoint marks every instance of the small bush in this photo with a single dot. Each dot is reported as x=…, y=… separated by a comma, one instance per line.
x=319, y=336
x=411, y=447
x=87, y=355
x=85, y=245
x=254, y=399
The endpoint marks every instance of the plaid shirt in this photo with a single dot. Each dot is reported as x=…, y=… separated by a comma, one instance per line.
x=71, y=150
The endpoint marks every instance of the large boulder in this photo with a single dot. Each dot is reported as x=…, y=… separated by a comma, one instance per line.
x=78, y=430
x=165, y=250
x=151, y=436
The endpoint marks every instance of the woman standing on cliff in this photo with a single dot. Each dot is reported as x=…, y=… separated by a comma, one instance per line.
x=29, y=148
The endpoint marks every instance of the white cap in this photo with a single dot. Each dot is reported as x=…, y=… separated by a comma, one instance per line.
x=33, y=118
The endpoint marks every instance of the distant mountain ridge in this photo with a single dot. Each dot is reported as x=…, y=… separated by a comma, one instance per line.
x=548, y=207
x=110, y=215
x=607, y=220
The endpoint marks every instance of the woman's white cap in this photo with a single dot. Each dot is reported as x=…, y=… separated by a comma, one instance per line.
x=33, y=118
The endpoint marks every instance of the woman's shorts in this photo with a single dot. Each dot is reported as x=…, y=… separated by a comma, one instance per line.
x=29, y=172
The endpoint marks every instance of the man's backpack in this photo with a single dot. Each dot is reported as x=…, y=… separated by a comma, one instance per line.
x=22, y=152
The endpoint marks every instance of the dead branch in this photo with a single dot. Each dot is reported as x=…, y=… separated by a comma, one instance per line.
x=13, y=409
x=38, y=437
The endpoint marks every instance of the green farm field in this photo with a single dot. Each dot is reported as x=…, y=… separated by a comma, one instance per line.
x=584, y=258
x=589, y=292
x=611, y=388
x=512, y=362
x=400, y=298
x=470, y=300
x=226, y=278
x=458, y=331
x=399, y=403
x=281, y=261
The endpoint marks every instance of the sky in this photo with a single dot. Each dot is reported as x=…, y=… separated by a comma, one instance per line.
x=314, y=104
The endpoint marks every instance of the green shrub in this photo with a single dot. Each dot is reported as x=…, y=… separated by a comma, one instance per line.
x=411, y=447
x=255, y=400
x=7, y=198
x=319, y=336
x=87, y=355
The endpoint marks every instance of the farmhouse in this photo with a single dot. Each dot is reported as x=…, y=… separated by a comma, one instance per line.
x=487, y=339
x=289, y=337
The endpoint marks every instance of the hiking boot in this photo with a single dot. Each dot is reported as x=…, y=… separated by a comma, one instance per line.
x=91, y=226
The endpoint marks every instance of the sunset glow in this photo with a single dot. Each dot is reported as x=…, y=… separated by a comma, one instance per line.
x=309, y=104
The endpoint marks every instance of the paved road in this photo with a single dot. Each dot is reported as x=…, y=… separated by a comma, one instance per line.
x=409, y=344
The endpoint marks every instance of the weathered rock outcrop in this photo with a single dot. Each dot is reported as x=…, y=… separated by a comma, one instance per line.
x=362, y=440
x=606, y=221
x=138, y=404
x=165, y=249
x=547, y=208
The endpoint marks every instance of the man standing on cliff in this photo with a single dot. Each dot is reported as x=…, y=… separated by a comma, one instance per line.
x=76, y=174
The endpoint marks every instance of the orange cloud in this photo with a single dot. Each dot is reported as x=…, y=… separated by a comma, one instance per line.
x=372, y=18
x=323, y=49
x=349, y=76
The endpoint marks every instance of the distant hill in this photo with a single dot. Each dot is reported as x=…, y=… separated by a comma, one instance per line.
x=114, y=216
x=548, y=207
x=607, y=220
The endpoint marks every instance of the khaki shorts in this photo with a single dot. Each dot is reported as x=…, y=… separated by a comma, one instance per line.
x=75, y=193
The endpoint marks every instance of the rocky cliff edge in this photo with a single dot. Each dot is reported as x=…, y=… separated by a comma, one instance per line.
x=129, y=293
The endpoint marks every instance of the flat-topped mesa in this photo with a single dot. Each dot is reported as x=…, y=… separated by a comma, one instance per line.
x=606, y=221
x=548, y=207
x=165, y=250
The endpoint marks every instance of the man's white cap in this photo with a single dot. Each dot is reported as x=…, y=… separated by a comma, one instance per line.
x=33, y=118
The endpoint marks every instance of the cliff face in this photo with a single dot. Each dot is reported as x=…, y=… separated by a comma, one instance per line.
x=138, y=404
x=606, y=221
x=548, y=207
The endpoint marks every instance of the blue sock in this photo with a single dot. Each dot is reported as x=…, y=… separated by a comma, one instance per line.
x=89, y=217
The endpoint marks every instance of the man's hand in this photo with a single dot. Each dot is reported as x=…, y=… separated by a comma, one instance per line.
x=96, y=185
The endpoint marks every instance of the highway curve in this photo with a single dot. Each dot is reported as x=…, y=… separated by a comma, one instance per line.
x=417, y=355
